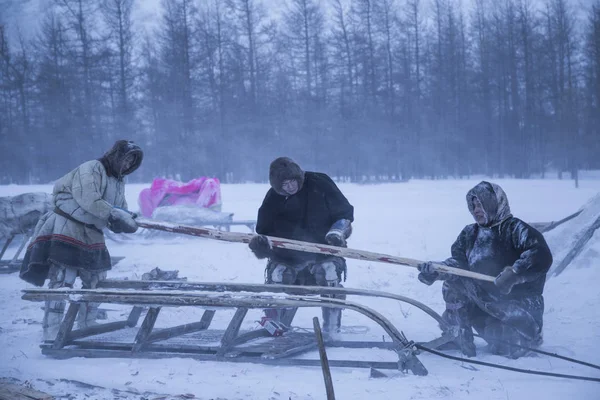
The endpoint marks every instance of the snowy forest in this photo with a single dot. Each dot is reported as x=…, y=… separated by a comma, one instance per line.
x=396, y=89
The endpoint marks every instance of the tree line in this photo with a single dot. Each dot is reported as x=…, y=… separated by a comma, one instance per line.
x=392, y=89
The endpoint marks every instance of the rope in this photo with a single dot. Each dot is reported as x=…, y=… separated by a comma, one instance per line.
x=546, y=353
x=492, y=365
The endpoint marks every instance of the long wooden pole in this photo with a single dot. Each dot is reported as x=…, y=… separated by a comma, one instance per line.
x=324, y=361
x=240, y=237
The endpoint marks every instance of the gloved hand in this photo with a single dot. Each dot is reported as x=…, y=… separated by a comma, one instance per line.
x=507, y=279
x=121, y=221
x=335, y=238
x=339, y=232
x=428, y=274
x=134, y=215
x=260, y=246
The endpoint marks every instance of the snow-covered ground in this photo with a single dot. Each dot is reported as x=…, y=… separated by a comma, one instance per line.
x=418, y=219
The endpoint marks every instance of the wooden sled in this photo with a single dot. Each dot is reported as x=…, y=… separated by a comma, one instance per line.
x=123, y=339
x=14, y=264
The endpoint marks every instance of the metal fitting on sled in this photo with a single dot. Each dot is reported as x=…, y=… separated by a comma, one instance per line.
x=408, y=361
x=275, y=328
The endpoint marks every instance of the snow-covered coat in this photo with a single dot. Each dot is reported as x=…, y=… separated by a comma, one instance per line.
x=71, y=234
x=504, y=241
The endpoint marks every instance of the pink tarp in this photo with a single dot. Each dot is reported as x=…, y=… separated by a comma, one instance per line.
x=201, y=192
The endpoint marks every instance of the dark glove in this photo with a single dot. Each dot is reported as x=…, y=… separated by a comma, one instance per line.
x=428, y=274
x=507, y=279
x=133, y=214
x=335, y=239
x=260, y=246
x=121, y=221
x=339, y=232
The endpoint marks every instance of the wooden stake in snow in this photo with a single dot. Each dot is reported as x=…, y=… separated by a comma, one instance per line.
x=240, y=237
x=324, y=360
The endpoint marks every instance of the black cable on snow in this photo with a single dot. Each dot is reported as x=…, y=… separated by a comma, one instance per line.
x=546, y=353
x=492, y=365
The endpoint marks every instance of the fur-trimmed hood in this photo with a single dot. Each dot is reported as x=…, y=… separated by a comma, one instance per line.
x=114, y=158
x=494, y=202
x=284, y=168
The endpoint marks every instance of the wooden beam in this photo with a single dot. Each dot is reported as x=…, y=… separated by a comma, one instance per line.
x=324, y=361
x=233, y=329
x=134, y=316
x=146, y=329
x=168, y=333
x=100, y=353
x=308, y=247
x=66, y=326
x=577, y=248
x=292, y=351
x=96, y=330
x=260, y=288
x=6, y=244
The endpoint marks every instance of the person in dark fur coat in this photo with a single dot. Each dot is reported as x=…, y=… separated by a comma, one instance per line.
x=68, y=241
x=507, y=313
x=305, y=206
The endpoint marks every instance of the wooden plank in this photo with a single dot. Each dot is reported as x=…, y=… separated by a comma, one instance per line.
x=288, y=316
x=324, y=361
x=134, y=316
x=9, y=391
x=99, y=353
x=261, y=288
x=149, y=347
x=233, y=329
x=207, y=318
x=577, y=248
x=97, y=330
x=309, y=247
x=66, y=326
x=146, y=329
x=6, y=244
x=548, y=226
x=168, y=333
x=248, y=336
x=184, y=329
x=290, y=351
x=355, y=344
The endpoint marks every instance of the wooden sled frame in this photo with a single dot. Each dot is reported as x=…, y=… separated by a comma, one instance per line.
x=233, y=345
x=14, y=264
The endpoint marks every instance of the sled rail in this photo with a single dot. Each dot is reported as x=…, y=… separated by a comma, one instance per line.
x=260, y=288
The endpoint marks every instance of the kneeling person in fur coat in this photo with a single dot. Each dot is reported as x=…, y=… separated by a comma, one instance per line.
x=507, y=313
x=306, y=206
x=68, y=240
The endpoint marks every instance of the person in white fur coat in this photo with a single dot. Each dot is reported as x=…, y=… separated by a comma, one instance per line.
x=68, y=241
